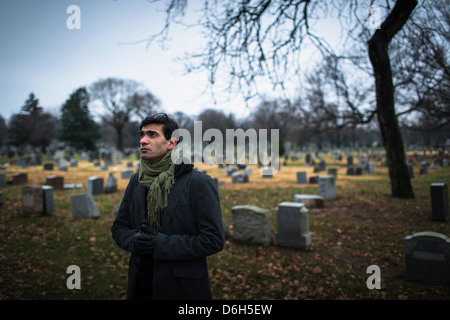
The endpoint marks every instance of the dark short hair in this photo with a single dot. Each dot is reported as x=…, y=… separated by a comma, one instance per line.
x=170, y=125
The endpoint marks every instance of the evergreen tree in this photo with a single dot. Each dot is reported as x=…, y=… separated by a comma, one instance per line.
x=78, y=128
x=32, y=126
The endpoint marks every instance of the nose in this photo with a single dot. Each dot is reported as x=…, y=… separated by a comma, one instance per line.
x=143, y=140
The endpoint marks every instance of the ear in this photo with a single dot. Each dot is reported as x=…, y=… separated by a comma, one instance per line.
x=172, y=143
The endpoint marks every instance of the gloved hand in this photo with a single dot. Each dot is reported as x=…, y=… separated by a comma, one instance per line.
x=143, y=240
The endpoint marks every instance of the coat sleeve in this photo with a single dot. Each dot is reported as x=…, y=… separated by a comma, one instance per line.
x=210, y=238
x=124, y=225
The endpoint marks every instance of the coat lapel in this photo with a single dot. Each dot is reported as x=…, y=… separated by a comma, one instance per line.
x=173, y=200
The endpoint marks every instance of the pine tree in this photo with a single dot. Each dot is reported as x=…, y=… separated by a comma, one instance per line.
x=78, y=128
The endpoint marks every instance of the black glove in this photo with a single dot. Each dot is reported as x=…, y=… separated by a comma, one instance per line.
x=143, y=240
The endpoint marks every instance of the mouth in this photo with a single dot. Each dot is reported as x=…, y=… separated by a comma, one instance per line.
x=143, y=149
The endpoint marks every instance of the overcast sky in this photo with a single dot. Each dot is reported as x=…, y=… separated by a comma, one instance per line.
x=40, y=54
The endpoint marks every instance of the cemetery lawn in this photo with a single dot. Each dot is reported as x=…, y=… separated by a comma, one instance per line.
x=364, y=226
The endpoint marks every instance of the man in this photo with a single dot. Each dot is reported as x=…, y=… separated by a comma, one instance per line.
x=169, y=219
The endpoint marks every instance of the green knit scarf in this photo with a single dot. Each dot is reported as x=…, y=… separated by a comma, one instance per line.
x=159, y=178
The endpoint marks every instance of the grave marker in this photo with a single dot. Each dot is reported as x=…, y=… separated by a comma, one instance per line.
x=126, y=173
x=439, y=201
x=19, y=178
x=2, y=180
x=293, y=226
x=309, y=200
x=32, y=200
x=301, y=177
x=83, y=206
x=57, y=182
x=48, y=199
x=327, y=187
x=95, y=185
x=111, y=184
x=427, y=257
x=251, y=224
x=238, y=177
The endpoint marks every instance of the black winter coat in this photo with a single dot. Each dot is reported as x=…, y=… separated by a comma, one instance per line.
x=191, y=230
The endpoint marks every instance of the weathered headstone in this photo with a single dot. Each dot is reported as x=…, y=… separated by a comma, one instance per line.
x=251, y=224
x=309, y=200
x=293, y=226
x=73, y=163
x=19, y=178
x=301, y=177
x=266, y=172
x=439, y=201
x=239, y=177
x=94, y=185
x=57, y=182
x=427, y=257
x=327, y=187
x=126, y=173
x=84, y=206
x=248, y=171
x=32, y=200
x=111, y=184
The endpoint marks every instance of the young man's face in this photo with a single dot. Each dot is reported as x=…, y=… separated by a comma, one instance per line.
x=153, y=143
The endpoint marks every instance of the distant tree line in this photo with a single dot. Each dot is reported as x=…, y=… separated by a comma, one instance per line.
x=312, y=119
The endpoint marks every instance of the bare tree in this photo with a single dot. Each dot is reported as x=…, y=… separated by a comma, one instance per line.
x=122, y=99
x=264, y=39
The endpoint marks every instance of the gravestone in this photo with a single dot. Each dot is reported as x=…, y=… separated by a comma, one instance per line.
x=62, y=165
x=314, y=179
x=333, y=171
x=73, y=163
x=2, y=180
x=126, y=173
x=439, y=201
x=248, y=171
x=251, y=224
x=1, y=198
x=350, y=170
x=349, y=160
x=230, y=170
x=48, y=166
x=301, y=177
x=293, y=226
x=309, y=200
x=266, y=172
x=19, y=178
x=32, y=200
x=83, y=206
x=111, y=184
x=327, y=187
x=411, y=170
x=370, y=167
x=94, y=185
x=49, y=206
x=238, y=177
x=57, y=182
x=423, y=167
x=427, y=257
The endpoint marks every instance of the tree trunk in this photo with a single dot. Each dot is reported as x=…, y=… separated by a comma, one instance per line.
x=119, y=144
x=390, y=132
